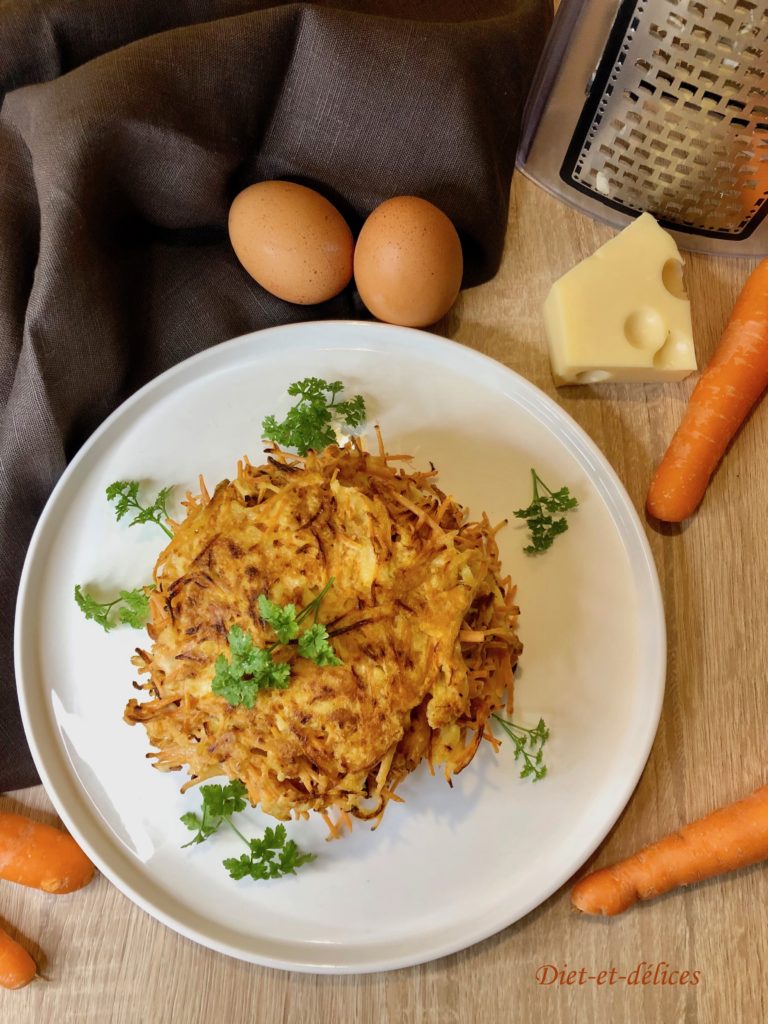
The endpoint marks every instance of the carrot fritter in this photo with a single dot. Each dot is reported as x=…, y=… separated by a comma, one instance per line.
x=418, y=613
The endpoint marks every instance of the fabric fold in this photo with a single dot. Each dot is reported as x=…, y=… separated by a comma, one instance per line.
x=127, y=130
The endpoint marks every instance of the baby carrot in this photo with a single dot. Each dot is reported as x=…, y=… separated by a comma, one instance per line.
x=17, y=968
x=41, y=856
x=731, y=837
x=733, y=381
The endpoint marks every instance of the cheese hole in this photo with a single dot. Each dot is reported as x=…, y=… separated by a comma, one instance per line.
x=645, y=329
x=673, y=346
x=672, y=279
x=592, y=376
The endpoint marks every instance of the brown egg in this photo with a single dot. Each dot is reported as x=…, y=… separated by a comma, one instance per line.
x=408, y=262
x=292, y=241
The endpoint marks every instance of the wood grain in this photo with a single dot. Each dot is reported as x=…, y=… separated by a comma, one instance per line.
x=107, y=961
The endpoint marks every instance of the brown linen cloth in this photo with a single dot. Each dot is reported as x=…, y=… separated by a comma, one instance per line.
x=126, y=130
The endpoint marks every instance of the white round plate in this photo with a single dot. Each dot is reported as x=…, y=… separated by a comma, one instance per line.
x=448, y=867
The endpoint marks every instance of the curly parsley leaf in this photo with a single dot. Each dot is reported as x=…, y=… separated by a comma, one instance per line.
x=132, y=607
x=540, y=515
x=250, y=670
x=280, y=618
x=308, y=425
x=528, y=745
x=245, y=655
x=271, y=856
x=125, y=496
x=315, y=645
x=219, y=804
x=352, y=412
x=93, y=609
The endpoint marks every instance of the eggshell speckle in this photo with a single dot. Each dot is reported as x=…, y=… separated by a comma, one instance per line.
x=292, y=241
x=408, y=262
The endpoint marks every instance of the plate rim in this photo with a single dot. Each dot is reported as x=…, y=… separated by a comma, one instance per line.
x=580, y=441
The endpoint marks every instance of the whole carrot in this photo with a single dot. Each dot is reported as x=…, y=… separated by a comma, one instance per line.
x=729, y=838
x=733, y=381
x=17, y=968
x=41, y=856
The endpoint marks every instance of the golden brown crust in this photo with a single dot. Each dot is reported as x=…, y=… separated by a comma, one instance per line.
x=418, y=614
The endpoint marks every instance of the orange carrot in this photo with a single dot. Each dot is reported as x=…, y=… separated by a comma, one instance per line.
x=41, y=856
x=17, y=968
x=733, y=381
x=729, y=838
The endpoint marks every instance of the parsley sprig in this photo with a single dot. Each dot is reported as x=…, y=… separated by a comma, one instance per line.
x=219, y=804
x=271, y=856
x=125, y=495
x=251, y=669
x=540, y=514
x=315, y=645
x=132, y=607
x=284, y=621
x=529, y=745
x=308, y=424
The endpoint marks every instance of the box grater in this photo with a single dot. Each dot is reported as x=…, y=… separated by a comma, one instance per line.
x=658, y=105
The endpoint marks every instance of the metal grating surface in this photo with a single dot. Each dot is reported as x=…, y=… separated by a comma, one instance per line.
x=679, y=122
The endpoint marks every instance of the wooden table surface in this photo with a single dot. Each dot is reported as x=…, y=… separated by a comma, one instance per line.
x=104, y=959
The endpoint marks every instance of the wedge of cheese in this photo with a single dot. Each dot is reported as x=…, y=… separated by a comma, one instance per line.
x=622, y=314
